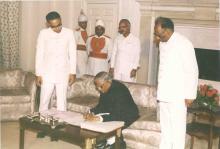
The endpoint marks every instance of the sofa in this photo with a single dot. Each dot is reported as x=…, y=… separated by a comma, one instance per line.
x=143, y=133
x=17, y=94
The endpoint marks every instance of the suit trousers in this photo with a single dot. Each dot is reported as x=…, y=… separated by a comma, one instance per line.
x=46, y=92
x=173, y=124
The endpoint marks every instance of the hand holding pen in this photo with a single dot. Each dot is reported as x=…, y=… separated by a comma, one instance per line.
x=90, y=116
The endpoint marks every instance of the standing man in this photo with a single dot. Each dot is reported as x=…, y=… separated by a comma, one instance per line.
x=177, y=82
x=125, y=54
x=81, y=37
x=99, y=47
x=55, y=61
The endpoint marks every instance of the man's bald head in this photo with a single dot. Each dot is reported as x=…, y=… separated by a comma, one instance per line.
x=126, y=21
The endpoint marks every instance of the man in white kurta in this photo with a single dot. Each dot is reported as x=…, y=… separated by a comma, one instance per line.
x=55, y=61
x=81, y=37
x=125, y=54
x=177, y=83
x=99, y=47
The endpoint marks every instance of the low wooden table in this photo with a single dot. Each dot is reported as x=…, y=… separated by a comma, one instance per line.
x=73, y=134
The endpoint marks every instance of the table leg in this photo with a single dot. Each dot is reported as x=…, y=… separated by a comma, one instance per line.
x=192, y=142
x=21, y=138
x=117, y=138
x=219, y=142
x=89, y=143
x=210, y=141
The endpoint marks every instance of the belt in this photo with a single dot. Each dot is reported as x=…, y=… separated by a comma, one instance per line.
x=98, y=55
x=81, y=47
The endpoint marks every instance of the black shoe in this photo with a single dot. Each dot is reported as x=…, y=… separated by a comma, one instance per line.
x=41, y=134
x=112, y=146
x=101, y=145
x=53, y=138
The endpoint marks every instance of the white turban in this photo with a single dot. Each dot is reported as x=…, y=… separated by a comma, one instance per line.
x=99, y=23
x=82, y=17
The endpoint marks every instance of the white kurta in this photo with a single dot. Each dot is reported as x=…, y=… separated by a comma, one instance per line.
x=96, y=65
x=178, y=70
x=56, y=55
x=177, y=81
x=55, y=60
x=125, y=57
x=82, y=56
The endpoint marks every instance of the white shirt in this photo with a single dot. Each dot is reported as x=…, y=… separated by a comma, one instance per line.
x=55, y=55
x=178, y=70
x=125, y=54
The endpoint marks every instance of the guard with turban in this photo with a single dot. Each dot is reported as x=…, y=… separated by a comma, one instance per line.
x=81, y=37
x=99, y=47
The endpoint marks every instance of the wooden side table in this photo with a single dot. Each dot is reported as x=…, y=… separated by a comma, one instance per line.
x=84, y=138
x=207, y=131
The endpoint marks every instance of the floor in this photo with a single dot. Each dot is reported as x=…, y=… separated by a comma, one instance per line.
x=10, y=139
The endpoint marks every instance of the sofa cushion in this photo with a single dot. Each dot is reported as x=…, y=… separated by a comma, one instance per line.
x=90, y=86
x=143, y=95
x=149, y=137
x=19, y=95
x=11, y=78
x=147, y=120
x=82, y=103
x=82, y=87
x=132, y=144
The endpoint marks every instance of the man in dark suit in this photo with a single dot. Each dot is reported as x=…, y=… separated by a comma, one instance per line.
x=116, y=102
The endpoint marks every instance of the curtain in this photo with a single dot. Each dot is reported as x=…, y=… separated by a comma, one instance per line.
x=9, y=34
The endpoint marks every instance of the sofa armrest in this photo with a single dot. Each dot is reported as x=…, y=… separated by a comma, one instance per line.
x=30, y=85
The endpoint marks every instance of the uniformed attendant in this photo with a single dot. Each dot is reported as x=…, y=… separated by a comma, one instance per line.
x=99, y=47
x=55, y=61
x=125, y=54
x=81, y=37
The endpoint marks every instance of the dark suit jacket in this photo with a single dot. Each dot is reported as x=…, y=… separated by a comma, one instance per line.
x=119, y=103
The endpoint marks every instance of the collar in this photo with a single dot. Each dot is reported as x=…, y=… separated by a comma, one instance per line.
x=81, y=29
x=128, y=37
x=172, y=37
x=51, y=30
x=98, y=36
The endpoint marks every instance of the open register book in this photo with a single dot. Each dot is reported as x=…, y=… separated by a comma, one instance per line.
x=77, y=119
x=102, y=126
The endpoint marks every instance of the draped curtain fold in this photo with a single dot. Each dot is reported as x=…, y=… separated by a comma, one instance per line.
x=9, y=34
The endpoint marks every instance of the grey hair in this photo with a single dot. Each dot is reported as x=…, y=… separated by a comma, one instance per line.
x=103, y=76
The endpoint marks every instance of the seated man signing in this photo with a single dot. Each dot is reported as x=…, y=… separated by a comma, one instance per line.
x=115, y=104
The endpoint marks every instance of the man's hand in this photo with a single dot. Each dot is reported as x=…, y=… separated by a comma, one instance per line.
x=72, y=78
x=91, y=117
x=188, y=102
x=39, y=80
x=111, y=71
x=133, y=73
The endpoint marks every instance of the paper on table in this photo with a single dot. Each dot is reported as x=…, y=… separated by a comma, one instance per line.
x=102, y=126
x=75, y=118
